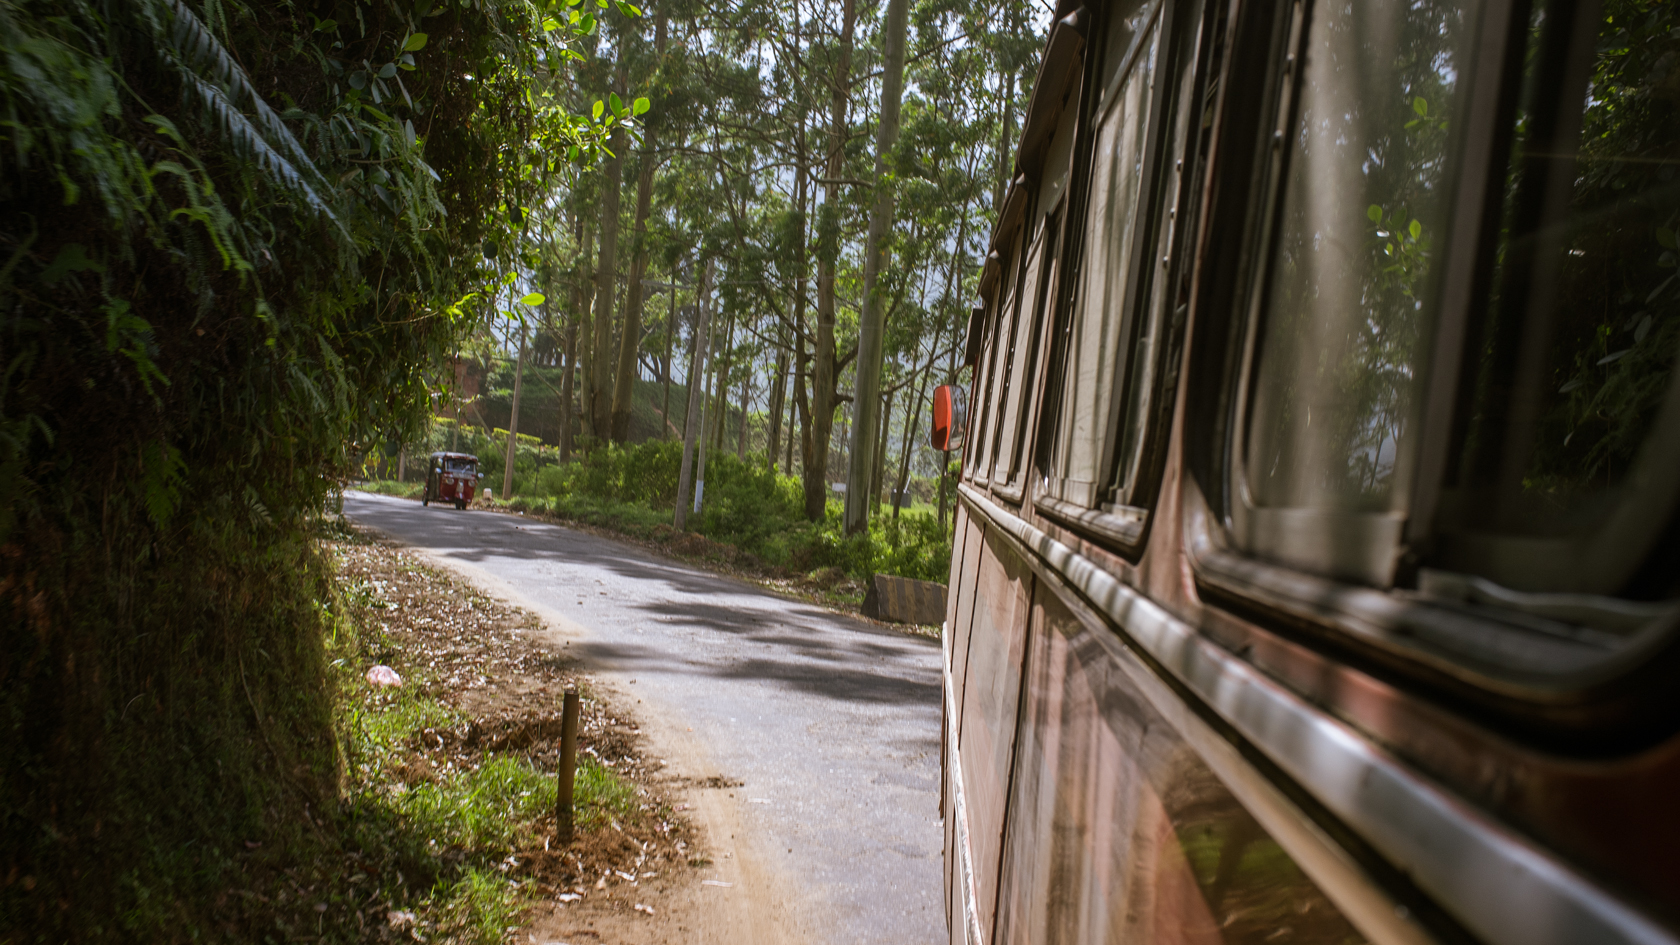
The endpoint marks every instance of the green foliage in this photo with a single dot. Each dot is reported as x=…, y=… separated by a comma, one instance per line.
x=746, y=505
x=234, y=243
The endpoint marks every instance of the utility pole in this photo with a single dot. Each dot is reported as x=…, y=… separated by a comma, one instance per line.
x=696, y=369
x=871, y=326
x=513, y=420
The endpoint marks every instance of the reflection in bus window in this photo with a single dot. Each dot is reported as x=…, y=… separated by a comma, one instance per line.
x=1363, y=209
x=1099, y=325
x=986, y=405
x=1154, y=323
x=1017, y=352
x=1584, y=318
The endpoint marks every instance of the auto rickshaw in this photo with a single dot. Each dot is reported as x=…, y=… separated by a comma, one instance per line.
x=451, y=477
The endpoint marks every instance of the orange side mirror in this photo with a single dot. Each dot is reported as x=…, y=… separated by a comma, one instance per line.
x=950, y=417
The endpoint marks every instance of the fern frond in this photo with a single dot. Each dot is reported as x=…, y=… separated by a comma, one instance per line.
x=239, y=131
x=223, y=86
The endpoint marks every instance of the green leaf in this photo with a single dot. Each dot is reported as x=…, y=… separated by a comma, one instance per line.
x=72, y=258
x=326, y=26
x=415, y=43
x=596, y=110
x=1666, y=239
x=358, y=79
x=1416, y=229
x=640, y=106
x=1420, y=106
x=535, y=298
x=616, y=103
x=1375, y=213
x=550, y=24
x=388, y=70
x=587, y=24
x=491, y=249
x=629, y=9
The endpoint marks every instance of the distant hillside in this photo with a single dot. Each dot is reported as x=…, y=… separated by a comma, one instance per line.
x=539, y=407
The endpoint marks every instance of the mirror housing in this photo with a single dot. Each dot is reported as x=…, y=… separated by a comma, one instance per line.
x=950, y=417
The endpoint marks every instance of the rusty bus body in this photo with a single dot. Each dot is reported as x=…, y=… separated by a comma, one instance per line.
x=1316, y=563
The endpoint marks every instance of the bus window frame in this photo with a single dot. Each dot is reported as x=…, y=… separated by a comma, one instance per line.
x=1462, y=652
x=1165, y=221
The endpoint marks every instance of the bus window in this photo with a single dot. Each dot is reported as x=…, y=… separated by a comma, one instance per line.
x=978, y=454
x=1571, y=438
x=1098, y=324
x=1347, y=301
x=1019, y=379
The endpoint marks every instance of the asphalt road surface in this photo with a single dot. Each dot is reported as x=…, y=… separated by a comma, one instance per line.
x=830, y=723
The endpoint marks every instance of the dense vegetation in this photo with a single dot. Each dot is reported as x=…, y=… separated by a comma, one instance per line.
x=232, y=241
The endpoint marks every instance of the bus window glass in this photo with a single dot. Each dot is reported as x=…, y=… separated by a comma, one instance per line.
x=1099, y=326
x=1013, y=352
x=1347, y=299
x=978, y=454
x=1153, y=324
x=1583, y=320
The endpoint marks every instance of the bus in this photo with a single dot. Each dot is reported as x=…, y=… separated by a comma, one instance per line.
x=1316, y=567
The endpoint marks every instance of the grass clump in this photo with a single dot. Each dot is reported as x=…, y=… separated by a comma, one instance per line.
x=433, y=814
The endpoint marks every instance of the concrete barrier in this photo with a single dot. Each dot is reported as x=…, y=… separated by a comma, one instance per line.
x=903, y=600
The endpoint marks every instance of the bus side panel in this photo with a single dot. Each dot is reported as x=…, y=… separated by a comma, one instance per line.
x=986, y=729
x=959, y=611
x=1118, y=832
x=971, y=547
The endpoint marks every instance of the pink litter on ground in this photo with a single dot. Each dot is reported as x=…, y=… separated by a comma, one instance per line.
x=383, y=676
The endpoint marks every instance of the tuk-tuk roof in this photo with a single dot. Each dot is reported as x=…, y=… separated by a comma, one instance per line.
x=448, y=455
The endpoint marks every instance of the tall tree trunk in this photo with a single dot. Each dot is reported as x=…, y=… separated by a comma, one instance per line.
x=773, y=413
x=691, y=423
x=721, y=366
x=625, y=388
x=802, y=268
x=746, y=395
x=878, y=473
x=513, y=420
x=606, y=276
x=872, y=324
x=1006, y=135
x=670, y=339
x=566, y=382
x=825, y=369
x=586, y=318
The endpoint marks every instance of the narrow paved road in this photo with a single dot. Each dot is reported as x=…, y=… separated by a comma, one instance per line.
x=830, y=723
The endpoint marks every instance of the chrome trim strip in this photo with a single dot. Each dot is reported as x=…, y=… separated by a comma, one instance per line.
x=1124, y=529
x=959, y=810
x=1499, y=884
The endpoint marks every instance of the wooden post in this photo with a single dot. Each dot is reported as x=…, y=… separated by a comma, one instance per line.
x=563, y=813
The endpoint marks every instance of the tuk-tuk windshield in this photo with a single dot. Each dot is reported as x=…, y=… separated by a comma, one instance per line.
x=463, y=467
